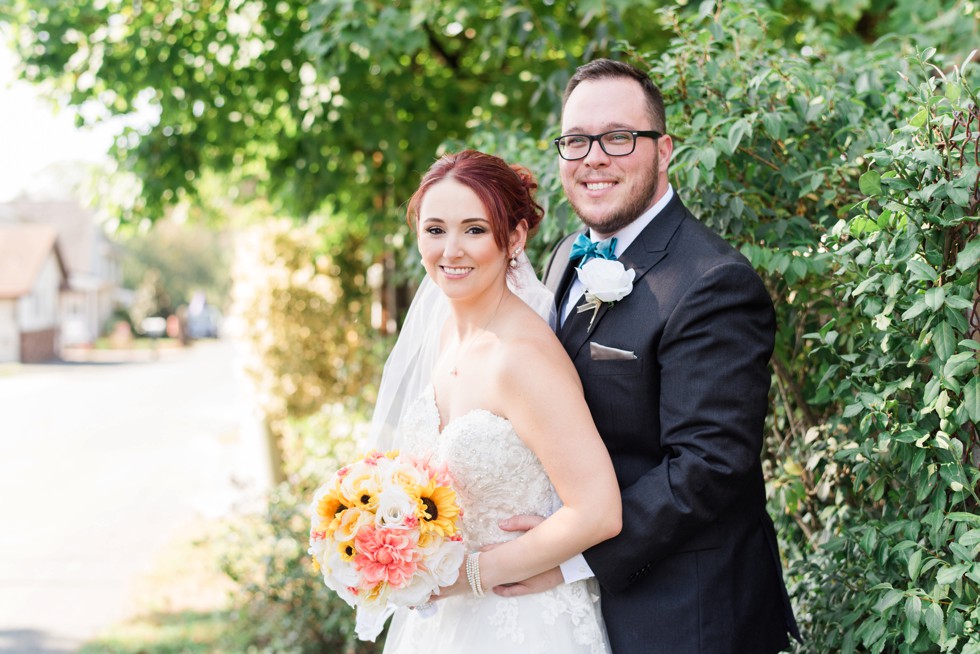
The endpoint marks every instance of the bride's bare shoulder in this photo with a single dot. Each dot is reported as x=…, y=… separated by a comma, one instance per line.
x=529, y=343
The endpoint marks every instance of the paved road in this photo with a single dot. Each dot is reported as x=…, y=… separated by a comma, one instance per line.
x=101, y=465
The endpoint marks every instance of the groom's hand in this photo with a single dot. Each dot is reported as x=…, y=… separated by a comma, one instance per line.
x=538, y=583
x=520, y=523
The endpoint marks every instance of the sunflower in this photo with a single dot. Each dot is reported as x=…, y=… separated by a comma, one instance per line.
x=347, y=551
x=360, y=489
x=437, y=510
x=330, y=508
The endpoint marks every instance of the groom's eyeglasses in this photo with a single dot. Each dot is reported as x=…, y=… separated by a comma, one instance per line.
x=617, y=143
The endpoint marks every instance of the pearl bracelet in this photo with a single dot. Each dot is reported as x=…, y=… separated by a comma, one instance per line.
x=473, y=573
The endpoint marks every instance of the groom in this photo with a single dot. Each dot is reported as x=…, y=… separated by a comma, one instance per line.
x=676, y=375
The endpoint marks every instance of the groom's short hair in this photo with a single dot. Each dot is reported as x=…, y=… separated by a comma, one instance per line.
x=599, y=69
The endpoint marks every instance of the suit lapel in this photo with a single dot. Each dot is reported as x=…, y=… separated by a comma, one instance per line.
x=560, y=283
x=649, y=248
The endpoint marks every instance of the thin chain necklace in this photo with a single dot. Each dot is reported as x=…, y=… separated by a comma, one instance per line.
x=464, y=348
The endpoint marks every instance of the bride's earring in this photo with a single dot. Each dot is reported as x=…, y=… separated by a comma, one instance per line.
x=513, y=258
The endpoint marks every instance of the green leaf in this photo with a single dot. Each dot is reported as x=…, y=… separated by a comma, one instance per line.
x=705, y=9
x=737, y=132
x=958, y=196
x=944, y=340
x=963, y=516
x=708, y=157
x=971, y=399
x=920, y=270
x=866, y=284
x=958, y=303
x=934, y=619
x=960, y=363
x=913, y=609
x=951, y=574
x=915, y=564
x=935, y=297
x=911, y=631
x=870, y=183
x=893, y=285
x=970, y=538
x=968, y=256
x=952, y=91
x=918, y=307
x=773, y=124
x=919, y=119
x=888, y=600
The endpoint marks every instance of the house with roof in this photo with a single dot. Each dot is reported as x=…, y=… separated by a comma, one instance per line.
x=91, y=260
x=32, y=278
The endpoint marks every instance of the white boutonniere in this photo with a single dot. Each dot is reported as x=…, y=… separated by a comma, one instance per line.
x=605, y=281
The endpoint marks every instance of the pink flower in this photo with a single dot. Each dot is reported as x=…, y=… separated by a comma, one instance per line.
x=386, y=555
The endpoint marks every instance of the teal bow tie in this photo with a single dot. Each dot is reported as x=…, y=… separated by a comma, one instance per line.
x=583, y=248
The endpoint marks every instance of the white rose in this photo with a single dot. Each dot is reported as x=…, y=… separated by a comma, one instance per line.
x=394, y=505
x=444, y=561
x=416, y=591
x=606, y=280
x=339, y=572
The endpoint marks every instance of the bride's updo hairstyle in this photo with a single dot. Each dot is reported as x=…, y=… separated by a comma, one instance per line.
x=506, y=191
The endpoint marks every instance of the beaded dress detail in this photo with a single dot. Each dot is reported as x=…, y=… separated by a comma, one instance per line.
x=496, y=476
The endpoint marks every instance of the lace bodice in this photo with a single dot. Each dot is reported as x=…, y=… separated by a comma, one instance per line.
x=495, y=474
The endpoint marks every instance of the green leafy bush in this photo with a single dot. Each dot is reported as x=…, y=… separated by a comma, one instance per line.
x=849, y=179
x=282, y=604
x=901, y=572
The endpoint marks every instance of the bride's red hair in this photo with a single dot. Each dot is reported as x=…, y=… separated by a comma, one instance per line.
x=507, y=191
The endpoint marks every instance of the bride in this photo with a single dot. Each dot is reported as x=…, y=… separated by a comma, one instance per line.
x=495, y=398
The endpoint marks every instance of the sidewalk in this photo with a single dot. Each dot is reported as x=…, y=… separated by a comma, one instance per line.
x=104, y=465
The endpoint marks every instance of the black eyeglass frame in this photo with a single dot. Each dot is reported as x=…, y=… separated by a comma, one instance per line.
x=598, y=137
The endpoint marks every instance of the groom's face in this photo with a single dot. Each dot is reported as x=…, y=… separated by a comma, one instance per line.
x=608, y=193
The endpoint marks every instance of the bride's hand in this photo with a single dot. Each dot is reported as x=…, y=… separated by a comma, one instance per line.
x=460, y=587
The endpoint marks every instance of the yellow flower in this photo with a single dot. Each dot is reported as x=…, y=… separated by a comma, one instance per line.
x=330, y=509
x=350, y=521
x=360, y=489
x=437, y=511
x=347, y=551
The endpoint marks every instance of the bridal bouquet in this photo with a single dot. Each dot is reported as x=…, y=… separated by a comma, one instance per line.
x=384, y=533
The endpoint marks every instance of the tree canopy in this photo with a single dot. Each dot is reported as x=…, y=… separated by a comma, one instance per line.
x=337, y=106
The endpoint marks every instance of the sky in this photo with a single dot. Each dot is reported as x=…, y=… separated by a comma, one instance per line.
x=34, y=134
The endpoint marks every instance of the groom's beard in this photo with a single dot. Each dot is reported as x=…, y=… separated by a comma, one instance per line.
x=632, y=208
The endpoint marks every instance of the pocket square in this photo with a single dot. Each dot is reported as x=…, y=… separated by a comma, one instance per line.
x=605, y=353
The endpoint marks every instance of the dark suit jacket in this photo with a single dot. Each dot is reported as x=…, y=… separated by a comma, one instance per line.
x=696, y=568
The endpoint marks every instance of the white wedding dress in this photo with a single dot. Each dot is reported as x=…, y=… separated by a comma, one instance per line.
x=495, y=476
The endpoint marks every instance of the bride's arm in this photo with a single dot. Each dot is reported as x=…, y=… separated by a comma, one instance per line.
x=543, y=398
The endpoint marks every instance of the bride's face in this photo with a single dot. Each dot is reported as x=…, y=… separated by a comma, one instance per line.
x=457, y=244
